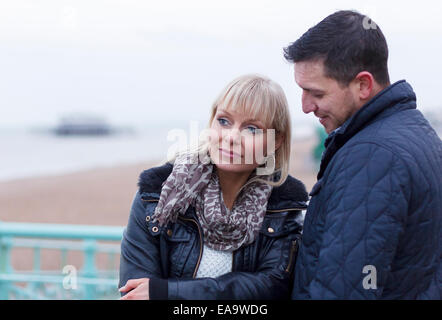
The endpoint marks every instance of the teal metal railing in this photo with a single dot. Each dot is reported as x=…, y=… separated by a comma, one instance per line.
x=88, y=282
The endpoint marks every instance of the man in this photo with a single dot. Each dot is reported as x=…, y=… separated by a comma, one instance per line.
x=373, y=226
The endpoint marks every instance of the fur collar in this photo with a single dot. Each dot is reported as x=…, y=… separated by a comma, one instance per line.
x=291, y=193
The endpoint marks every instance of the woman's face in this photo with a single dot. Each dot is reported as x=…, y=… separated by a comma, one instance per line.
x=238, y=143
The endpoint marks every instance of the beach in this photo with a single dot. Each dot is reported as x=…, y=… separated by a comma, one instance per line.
x=100, y=196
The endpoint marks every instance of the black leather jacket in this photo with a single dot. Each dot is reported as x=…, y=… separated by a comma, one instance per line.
x=170, y=255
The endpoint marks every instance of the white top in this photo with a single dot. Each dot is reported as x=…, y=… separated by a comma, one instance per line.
x=214, y=263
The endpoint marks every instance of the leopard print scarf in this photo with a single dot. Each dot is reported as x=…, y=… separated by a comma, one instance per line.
x=197, y=184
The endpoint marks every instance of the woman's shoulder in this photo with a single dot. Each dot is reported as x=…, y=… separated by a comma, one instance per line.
x=292, y=191
x=151, y=180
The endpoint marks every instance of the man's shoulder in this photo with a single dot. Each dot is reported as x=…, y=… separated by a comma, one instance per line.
x=403, y=133
x=402, y=141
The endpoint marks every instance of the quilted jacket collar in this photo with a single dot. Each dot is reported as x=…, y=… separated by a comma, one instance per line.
x=291, y=194
x=396, y=97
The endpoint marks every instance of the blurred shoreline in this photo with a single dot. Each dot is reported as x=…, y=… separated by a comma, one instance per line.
x=99, y=196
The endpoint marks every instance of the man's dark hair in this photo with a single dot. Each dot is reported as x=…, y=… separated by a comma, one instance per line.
x=348, y=43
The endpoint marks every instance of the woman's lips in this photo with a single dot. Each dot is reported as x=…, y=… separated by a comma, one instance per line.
x=228, y=153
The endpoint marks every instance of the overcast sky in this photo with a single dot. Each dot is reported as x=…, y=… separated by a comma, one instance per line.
x=139, y=62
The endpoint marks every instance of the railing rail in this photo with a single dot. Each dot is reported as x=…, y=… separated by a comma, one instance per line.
x=62, y=231
x=93, y=283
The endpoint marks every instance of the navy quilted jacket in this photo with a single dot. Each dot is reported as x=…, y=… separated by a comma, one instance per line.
x=373, y=226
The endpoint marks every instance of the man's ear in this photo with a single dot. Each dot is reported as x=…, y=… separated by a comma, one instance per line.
x=365, y=83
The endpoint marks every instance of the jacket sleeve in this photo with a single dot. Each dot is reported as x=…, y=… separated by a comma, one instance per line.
x=272, y=278
x=365, y=216
x=140, y=256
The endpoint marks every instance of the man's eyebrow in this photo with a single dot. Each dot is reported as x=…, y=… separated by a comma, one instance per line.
x=313, y=89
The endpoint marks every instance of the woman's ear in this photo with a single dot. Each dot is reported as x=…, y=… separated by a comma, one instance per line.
x=279, y=139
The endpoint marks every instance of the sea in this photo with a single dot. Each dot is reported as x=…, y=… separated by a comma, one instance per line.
x=34, y=152
x=38, y=151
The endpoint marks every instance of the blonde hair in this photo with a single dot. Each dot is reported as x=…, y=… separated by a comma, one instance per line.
x=259, y=97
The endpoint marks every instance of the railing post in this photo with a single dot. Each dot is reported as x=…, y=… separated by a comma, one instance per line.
x=33, y=287
x=5, y=265
x=89, y=270
x=64, y=259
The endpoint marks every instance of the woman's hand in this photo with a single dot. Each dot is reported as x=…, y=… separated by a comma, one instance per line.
x=139, y=289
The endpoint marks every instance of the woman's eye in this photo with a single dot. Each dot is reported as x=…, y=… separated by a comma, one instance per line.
x=252, y=130
x=223, y=121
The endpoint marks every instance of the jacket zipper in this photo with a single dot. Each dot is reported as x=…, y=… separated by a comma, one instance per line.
x=201, y=245
x=292, y=252
x=199, y=232
x=233, y=260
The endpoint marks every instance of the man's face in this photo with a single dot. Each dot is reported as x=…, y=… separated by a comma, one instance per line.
x=325, y=97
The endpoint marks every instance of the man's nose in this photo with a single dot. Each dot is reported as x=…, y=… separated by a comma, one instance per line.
x=308, y=104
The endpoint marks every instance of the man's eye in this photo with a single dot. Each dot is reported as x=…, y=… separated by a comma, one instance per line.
x=318, y=96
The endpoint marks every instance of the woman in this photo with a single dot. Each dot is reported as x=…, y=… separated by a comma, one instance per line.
x=226, y=228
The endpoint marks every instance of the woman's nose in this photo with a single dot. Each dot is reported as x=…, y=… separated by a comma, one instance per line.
x=232, y=136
